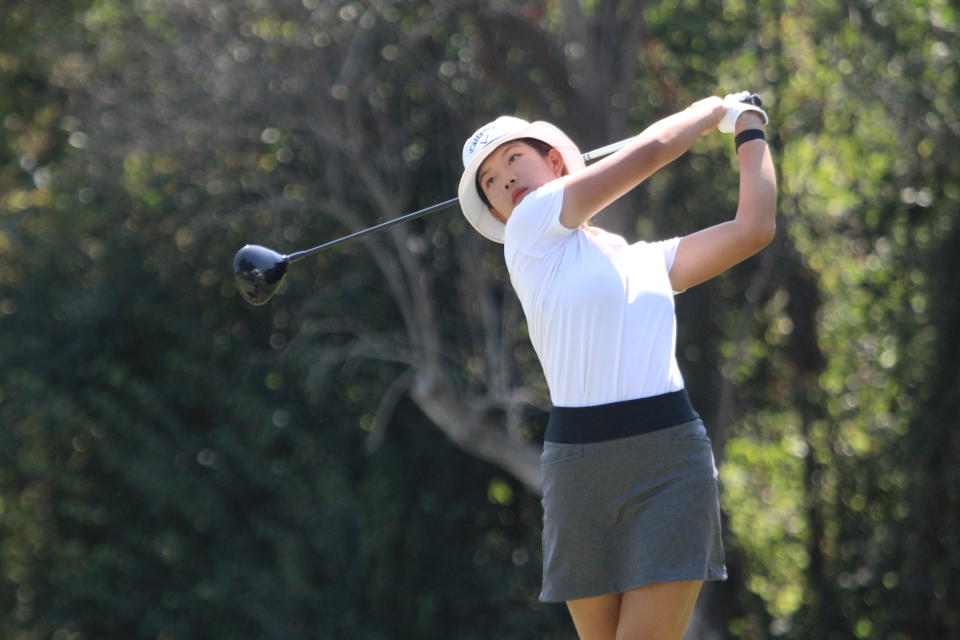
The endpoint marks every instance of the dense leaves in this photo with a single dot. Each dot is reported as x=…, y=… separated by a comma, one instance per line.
x=357, y=458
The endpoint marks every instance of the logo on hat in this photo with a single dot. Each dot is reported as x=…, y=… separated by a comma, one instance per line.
x=482, y=137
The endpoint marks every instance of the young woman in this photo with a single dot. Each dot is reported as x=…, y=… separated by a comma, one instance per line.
x=631, y=516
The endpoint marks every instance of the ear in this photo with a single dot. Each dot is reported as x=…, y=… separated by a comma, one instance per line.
x=555, y=160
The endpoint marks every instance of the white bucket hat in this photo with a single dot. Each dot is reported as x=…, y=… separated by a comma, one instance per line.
x=486, y=140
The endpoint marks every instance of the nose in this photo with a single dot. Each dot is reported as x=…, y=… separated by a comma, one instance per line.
x=508, y=183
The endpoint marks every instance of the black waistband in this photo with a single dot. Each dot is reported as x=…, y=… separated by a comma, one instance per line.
x=580, y=425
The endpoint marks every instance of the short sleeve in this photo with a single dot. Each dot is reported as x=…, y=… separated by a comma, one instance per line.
x=666, y=248
x=534, y=227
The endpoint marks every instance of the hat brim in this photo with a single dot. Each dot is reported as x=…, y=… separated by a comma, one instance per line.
x=475, y=211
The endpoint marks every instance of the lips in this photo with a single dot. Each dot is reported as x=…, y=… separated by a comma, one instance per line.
x=518, y=195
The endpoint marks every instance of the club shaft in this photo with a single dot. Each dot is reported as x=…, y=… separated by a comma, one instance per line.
x=300, y=255
x=605, y=151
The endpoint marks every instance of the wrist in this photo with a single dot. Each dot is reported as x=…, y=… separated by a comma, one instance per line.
x=747, y=135
x=708, y=107
x=714, y=110
x=708, y=113
x=717, y=114
x=749, y=120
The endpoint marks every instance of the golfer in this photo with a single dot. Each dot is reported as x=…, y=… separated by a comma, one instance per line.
x=631, y=516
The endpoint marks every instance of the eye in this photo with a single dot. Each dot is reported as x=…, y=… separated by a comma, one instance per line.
x=513, y=156
x=488, y=182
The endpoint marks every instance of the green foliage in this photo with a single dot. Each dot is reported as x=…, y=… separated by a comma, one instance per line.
x=175, y=464
x=863, y=208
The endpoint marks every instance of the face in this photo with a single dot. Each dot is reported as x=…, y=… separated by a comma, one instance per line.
x=513, y=171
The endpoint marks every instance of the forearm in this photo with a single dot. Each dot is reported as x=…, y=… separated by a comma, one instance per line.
x=671, y=137
x=711, y=251
x=592, y=189
x=758, y=183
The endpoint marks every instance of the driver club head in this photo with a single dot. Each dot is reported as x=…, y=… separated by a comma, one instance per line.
x=258, y=272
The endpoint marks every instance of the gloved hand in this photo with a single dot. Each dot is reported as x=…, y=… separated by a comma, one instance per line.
x=736, y=104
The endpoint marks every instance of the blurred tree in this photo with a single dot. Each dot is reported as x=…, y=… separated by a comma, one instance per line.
x=854, y=363
x=162, y=472
x=174, y=463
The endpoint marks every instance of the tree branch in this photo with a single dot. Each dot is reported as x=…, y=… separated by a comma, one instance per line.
x=474, y=434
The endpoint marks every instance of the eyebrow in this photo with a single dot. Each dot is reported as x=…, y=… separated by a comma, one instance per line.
x=506, y=147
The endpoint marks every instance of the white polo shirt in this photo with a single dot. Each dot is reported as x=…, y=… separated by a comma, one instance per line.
x=599, y=311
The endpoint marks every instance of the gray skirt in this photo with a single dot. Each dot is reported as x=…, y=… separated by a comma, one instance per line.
x=625, y=513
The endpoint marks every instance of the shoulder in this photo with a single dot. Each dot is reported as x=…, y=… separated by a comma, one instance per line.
x=546, y=198
x=534, y=227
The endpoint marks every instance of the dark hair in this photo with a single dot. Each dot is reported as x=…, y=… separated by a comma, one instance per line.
x=539, y=146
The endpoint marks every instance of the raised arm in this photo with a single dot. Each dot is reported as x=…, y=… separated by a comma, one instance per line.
x=587, y=192
x=711, y=251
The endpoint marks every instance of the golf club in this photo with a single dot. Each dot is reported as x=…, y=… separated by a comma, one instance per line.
x=258, y=271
